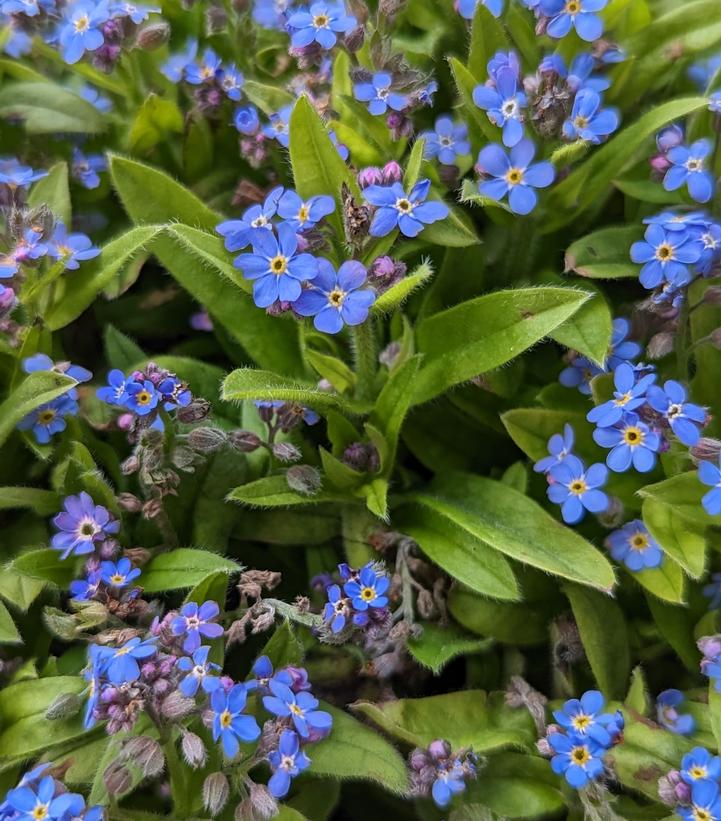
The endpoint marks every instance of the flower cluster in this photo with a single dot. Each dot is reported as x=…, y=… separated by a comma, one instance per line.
x=49, y=419
x=440, y=772
x=668, y=715
x=584, y=734
x=359, y=601
x=40, y=794
x=694, y=790
x=710, y=646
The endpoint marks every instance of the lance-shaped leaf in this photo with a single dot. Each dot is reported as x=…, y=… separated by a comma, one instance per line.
x=49, y=108
x=397, y=294
x=184, y=567
x=604, y=254
x=54, y=192
x=43, y=502
x=36, y=389
x=589, y=330
x=438, y=645
x=487, y=37
x=8, y=631
x=483, y=333
x=682, y=538
x=274, y=491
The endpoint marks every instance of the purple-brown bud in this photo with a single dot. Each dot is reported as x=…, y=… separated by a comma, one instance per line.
x=303, y=479
x=392, y=172
x=215, y=793
x=193, y=749
x=153, y=36
x=370, y=176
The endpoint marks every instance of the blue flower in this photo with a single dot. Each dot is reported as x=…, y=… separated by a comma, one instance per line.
x=230, y=725
x=688, y=166
x=579, y=14
x=231, y=81
x=711, y=241
x=337, y=609
x=504, y=104
x=42, y=362
x=199, y=673
x=270, y=13
x=580, y=75
x=119, y=574
x=301, y=214
x=206, y=71
x=81, y=525
x=705, y=803
x=72, y=249
x=319, y=25
x=81, y=30
x=632, y=442
x=407, y=212
x=666, y=255
x=635, y=547
x=668, y=715
x=340, y=148
x=278, y=127
x=286, y=762
x=92, y=674
x=238, y=234
x=120, y=664
x=629, y=395
x=578, y=758
x=85, y=589
x=514, y=175
x=247, y=120
x=584, y=718
x=15, y=175
x=368, y=590
x=579, y=374
x=48, y=419
x=710, y=474
x=336, y=299
x=29, y=8
x=196, y=621
x=85, y=168
x=29, y=247
x=263, y=671
x=115, y=392
x=559, y=447
x=138, y=14
x=685, y=418
x=700, y=765
x=450, y=781
x=691, y=221
x=467, y=8
x=712, y=591
x=301, y=707
x=142, y=398
x=174, y=393
x=447, y=142
x=17, y=43
x=31, y=804
x=377, y=93
x=577, y=489
x=622, y=348
x=702, y=72
x=714, y=103
x=276, y=268
x=588, y=121
x=176, y=65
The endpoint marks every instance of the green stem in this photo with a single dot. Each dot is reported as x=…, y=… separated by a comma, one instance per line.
x=364, y=353
x=681, y=341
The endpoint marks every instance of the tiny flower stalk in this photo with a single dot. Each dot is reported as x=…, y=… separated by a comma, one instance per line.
x=365, y=355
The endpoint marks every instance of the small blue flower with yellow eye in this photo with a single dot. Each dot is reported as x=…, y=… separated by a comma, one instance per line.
x=119, y=574
x=700, y=765
x=368, y=590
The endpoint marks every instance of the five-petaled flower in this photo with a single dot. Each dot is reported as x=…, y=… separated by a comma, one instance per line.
x=200, y=672
x=120, y=664
x=629, y=394
x=588, y=121
x=286, y=762
x=515, y=175
x=559, y=447
x=632, y=442
x=584, y=718
x=504, y=103
x=685, y=418
x=576, y=489
x=320, y=24
x=81, y=525
x=230, y=724
x=196, y=622
x=666, y=255
x=119, y=574
x=579, y=14
x=578, y=758
x=407, y=212
x=379, y=94
x=336, y=299
x=300, y=707
x=633, y=545
x=368, y=590
x=689, y=167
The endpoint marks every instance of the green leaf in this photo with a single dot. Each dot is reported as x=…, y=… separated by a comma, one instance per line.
x=437, y=645
x=461, y=554
x=47, y=565
x=605, y=640
x=54, y=192
x=317, y=166
x=36, y=389
x=120, y=350
x=8, y=631
x=637, y=696
x=666, y=581
x=468, y=718
x=397, y=294
x=676, y=625
x=97, y=274
x=19, y=590
x=683, y=493
x=156, y=120
x=682, y=538
x=604, y=254
x=483, y=333
x=197, y=260
x=273, y=491
x=269, y=99
x=49, y=108
x=354, y=751
x=151, y=196
x=183, y=567
x=487, y=37
x=455, y=231
x=42, y=502
x=589, y=330
x=284, y=647
x=586, y=184
x=213, y=586
x=518, y=527
x=531, y=428
x=480, y=125
x=331, y=368
x=248, y=383
x=413, y=166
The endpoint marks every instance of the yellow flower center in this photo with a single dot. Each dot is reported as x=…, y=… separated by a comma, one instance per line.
x=578, y=487
x=514, y=176
x=573, y=7
x=303, y=213
x=664, y=252
x=225, y=719
x=639, y=541
x=404, y=205
x=336, y=297
x=46, y=417
x=321, y=21
x=698, y=772
x=279, y=265
x=580, y=122
x=580, y=756
x=633, y=436
x=82, y=23
x=623, y=400
x=143, y=397
x=295, y=709
x=694, y=164
x=116, y=578
x=40, y=811
x=368, y=593
x=699, y=814
x=581, y=722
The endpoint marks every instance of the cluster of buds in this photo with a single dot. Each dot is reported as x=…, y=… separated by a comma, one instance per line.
x=439, y=772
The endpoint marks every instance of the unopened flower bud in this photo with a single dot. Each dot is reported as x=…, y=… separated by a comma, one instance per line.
x=359, y=10
x=392, y=172
x=425, y=604
x=129, y=502
x=65, y=705
x=354, y=39
x=196, y=411
x=669, y=137
x=117, y=778
x=370, y=176
x=712, y=295
x=193, y=749
x=544, y=748
x=660, y=164
x=245, y=440
x=146, y=753
x=389, y=8
x=706, y=449
x=206, y=440
x=286, y=452
x=177, y=706
x=153, y=36
x=710, y=646
x=215, y=793
x=439, y=748
x=130, y=465
x=715, y=338
x=216, y=20
x=303, y=479
x=660, y=345
x=262, y=803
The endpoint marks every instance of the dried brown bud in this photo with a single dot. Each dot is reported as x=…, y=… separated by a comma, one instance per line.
x=706, y=450
x=153, y=36
x=712, y=295
x=245, y=440
x=177, y=706
x=216, y=20
x=193, y=749
x=196, y=411
x=252, y=582
x=303, y=479
x=354, y=39
x=286, y=452
x=152, y=508
x=129, y=502
x=215, y=793
x=117, y=778
x=130, y=465
x=206, y=440
x=262, y=803
x=425, y=604
x=660, y=345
